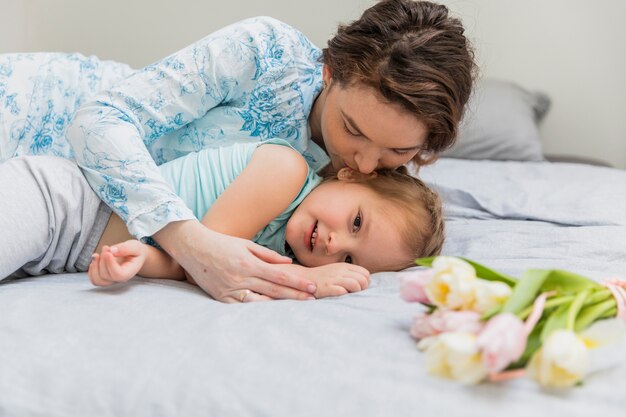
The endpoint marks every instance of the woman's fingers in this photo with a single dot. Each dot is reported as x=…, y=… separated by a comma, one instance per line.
x=254, y=297
x=274, y=273
x=275, y=291
x=285, y=281
x=244, y=296
x=268, y=255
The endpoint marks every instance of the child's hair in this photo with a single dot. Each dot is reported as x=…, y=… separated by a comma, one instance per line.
x=421, y=222
x=414, y=54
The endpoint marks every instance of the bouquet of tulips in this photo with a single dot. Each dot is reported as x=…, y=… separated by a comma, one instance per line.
x=480, y=324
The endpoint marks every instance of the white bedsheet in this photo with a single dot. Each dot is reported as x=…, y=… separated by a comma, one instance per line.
x=163, y=348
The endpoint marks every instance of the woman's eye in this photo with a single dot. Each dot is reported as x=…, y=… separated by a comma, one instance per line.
x=356, y=225
x=345, y=126
x=401, y=151
x=348, y=259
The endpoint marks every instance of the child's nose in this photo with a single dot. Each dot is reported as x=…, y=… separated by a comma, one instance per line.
x=333, y=243
x=338, y=243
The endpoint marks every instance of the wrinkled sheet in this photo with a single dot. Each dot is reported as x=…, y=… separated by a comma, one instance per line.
x=163, y=348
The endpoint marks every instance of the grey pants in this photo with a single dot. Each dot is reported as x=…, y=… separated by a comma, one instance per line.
x=50, y=219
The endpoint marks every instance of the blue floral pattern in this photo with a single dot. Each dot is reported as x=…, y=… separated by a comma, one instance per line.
x=254, y=80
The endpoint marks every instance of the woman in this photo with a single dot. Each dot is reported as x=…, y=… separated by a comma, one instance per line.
x=390, y=88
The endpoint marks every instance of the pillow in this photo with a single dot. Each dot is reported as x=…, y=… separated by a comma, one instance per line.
x=501, y=123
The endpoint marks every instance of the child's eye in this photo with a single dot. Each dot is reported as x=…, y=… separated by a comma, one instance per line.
x=348, y=259
x=401, y=151
x=356, y=225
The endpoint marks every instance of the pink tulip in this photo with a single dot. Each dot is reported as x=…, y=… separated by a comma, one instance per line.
x=412, y=285
x=444, y=321
x=502, y=342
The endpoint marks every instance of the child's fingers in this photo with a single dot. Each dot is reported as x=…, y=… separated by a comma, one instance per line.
x=91, y=272
x=117, y=272
x=363, y=280
x=94, y=272
x=350, y=284
x=338, y=290
x=363, y=276
x=127, y=248
x=102, y=269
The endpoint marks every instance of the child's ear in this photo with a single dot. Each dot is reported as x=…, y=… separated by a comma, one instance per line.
x=350, y=175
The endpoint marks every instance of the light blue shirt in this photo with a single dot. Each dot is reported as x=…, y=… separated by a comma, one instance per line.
x=252, y=81
x=199, y=178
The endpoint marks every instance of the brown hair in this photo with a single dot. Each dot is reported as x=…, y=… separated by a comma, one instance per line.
x=414, y=54
x=421, y=223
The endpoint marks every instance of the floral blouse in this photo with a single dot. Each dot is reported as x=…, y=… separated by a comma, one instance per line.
x=253, y=80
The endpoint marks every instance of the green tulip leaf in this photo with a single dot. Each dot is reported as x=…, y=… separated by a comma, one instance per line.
x=427, y=262
x=556, y=320
x=567, y=282
x=525, y=291
x=481, y=271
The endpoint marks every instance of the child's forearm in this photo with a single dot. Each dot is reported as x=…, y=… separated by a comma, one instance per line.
x=159, y=264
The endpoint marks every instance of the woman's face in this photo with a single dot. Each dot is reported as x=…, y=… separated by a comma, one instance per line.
x=346, y=222
x=363, y=132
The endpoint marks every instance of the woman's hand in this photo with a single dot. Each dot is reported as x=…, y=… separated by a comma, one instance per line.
x=225, y=266
x=117, y=263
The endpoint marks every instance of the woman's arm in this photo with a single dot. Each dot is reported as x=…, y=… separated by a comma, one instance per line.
x=112, y=135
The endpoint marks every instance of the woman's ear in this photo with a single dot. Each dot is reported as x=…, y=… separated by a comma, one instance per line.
x=349, y=175
x=327, y=74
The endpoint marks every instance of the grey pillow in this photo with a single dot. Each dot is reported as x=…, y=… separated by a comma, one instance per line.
x=501, y=123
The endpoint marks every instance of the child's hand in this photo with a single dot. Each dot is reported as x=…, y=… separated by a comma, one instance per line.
x=338, y=279
x=117, y=263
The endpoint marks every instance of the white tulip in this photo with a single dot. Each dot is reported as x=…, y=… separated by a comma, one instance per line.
x=452, y=285
x=562, y=361
x=490, y=294
x=454, y=355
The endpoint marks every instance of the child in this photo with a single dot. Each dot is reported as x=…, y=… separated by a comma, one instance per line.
x=382, y=223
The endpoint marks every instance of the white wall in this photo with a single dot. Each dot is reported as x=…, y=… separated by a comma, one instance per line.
x=575, y=50
x=572, y=49
x=140, y=31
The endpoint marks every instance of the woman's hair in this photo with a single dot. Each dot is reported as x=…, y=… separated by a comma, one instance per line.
x=415, y=55
x=420, y=215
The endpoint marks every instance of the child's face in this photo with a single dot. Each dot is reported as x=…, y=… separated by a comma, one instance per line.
x=346, y=222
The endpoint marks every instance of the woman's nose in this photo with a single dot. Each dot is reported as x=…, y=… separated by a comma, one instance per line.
x=367, y=160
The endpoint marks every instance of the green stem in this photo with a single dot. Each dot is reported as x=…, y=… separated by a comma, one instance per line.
x=609, y=314
x=574, y=309
x=598, y=295
x=592, y=313
x=554, y=302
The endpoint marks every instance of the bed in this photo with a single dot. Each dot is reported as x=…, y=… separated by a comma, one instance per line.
x=163, y=348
